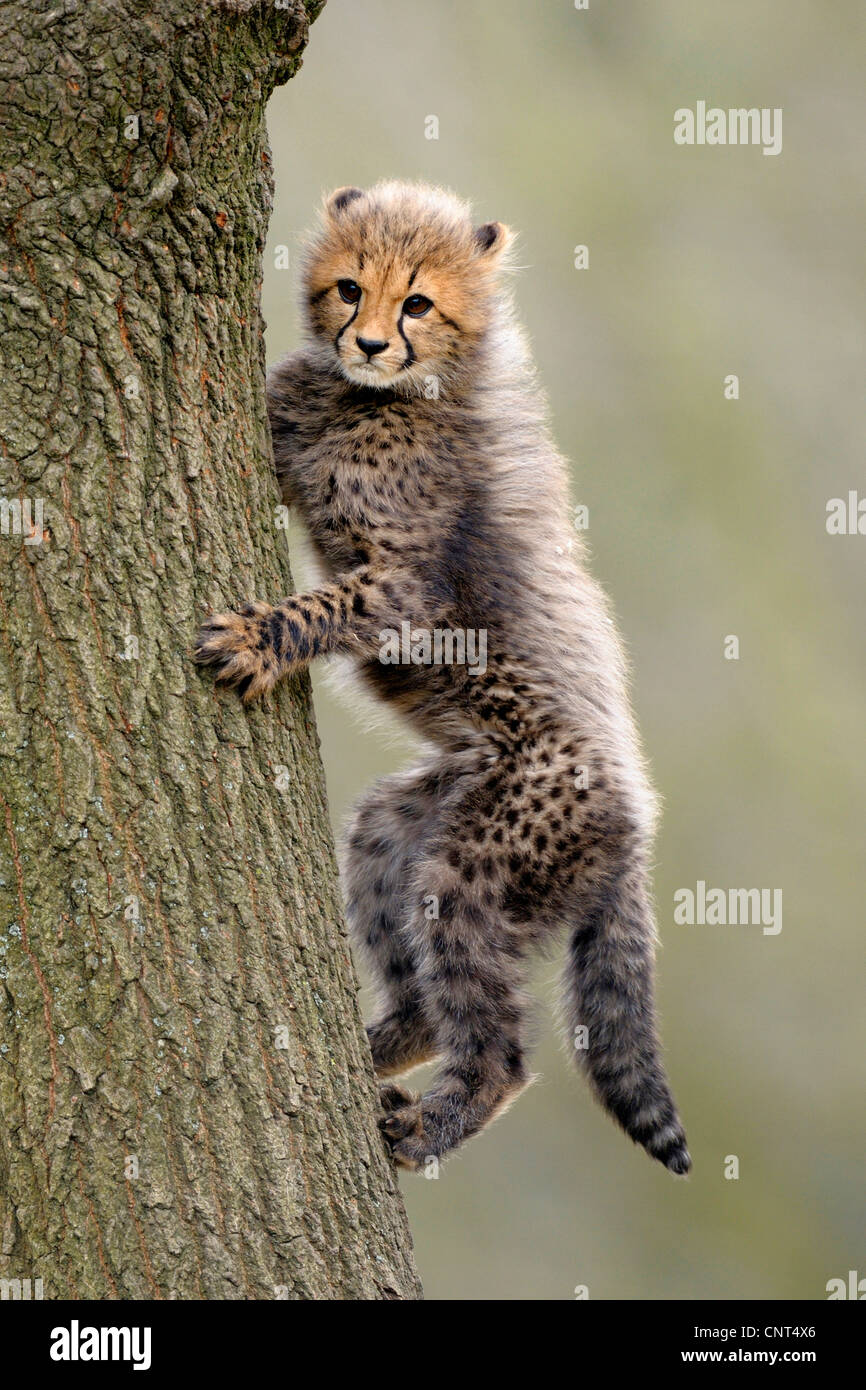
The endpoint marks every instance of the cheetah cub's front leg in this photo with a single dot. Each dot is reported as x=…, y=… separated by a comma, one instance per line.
x=259, y=645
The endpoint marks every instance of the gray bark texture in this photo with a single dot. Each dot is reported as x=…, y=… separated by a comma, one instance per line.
x=187, y=1104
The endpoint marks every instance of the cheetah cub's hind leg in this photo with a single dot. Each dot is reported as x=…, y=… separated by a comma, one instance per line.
x=389, y=829
x=470, y=978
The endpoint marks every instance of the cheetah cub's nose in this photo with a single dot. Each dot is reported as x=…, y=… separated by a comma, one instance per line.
x=370, y=346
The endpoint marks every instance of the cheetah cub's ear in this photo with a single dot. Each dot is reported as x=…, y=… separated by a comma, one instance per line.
x=491, y=240
x=340, y=199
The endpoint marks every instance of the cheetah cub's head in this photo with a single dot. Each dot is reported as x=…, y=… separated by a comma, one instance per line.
x=400, y=286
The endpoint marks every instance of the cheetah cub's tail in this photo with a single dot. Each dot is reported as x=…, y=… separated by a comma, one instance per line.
x=611, y=1016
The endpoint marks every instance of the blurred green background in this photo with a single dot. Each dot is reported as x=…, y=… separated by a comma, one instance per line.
x=707, y=518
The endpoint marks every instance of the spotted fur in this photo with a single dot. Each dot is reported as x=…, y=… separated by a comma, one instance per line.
x=433, y=495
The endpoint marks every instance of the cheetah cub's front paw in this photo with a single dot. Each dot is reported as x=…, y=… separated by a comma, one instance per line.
x=240, y=648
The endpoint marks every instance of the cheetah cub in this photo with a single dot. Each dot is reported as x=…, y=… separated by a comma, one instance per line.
x=410, y=434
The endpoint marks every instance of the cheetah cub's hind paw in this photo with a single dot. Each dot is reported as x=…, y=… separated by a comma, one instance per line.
x=402, y=1125
x=240, y=648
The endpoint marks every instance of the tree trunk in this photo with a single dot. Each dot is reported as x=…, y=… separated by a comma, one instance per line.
x=187, y=1106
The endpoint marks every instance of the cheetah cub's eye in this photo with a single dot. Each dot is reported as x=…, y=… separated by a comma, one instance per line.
x=416, y=305
x=349, y=291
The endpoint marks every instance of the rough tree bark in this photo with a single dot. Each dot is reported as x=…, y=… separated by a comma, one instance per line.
x=187, y=1106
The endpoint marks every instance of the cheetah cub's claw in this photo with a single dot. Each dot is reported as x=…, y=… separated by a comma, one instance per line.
x=239, y=647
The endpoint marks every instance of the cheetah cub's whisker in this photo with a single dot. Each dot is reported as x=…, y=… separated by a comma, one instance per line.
x=410, y=434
